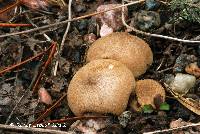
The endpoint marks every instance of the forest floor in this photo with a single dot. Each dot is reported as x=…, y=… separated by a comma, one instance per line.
x=19, y=84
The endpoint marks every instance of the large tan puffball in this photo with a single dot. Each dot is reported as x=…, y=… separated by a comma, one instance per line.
x=132, y=51
x=101, y=86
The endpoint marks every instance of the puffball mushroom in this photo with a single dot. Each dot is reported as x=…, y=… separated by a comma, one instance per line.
x=101, y=86
x=147, y=90
x=128, y=49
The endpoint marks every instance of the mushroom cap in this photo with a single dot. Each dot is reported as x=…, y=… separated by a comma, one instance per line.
x=147, y=90
x=101, y=86
x=128, y=49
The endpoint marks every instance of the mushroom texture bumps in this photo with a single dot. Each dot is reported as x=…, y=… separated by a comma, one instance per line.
x=101, y=86
x=128, y=49
x=148, y=90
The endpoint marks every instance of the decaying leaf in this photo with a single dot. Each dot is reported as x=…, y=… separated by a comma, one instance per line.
x=189, y=103
x=60, y=3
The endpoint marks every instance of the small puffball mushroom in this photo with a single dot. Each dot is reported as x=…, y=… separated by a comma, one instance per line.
x=101, y=86
x=182, y=83
x=128, y=49
x=147, y=90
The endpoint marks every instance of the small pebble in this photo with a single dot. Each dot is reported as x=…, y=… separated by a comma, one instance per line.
x=82, y=25
x=182, y=61
x=90, y=126
x=193, y=69
x=124, y=118
x=79, y=8
x=152, y=4
x=44, y=96
x=90, y=38
x=146, y=20
x=111, y=19
x=178, y=123
x=168, y=78
x=183, y=83
x=5, y=101
x=35, y=4
x=105, y=30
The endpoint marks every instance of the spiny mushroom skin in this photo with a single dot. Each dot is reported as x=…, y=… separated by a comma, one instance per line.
x=146, y=91
x=128, y=49
x=101, y=86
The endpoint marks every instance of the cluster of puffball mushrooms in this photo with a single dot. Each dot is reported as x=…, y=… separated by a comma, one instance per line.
x=106, y=82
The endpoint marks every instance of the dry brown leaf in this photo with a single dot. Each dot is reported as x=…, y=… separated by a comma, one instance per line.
x=189, y=103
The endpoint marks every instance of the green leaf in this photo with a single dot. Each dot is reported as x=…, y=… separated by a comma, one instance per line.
x=164, y=106
x=147, y=109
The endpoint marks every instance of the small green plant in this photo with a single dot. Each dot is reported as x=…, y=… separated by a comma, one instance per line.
x=186, y=10
x=147, y=109
x=164, y=106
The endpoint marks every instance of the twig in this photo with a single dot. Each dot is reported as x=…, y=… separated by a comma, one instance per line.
x=68, y=26
x=172, y=129
x=54, y=46
x=196, y=38
x=161, y=63
x=31, y=130
x=66, y=21
x=64, y=37
x=164, y=70
x=189, y=103
x=10, y=7
x=25, y=94
x=16, y=105
x=74, y=119
x=6, y=80
x=40, y=118
x=21, y=63
x=45, y=35
x=14, y=25
x=15, y=83
x=153, y=35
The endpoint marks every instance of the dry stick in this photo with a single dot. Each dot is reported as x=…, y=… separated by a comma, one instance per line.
x=74, y=119
x=40, y=118
x=21, y=63
x=172, y=129
x=31, y=130
x=9, y=117
x=16, y=78
x=14, y=25
x=164, y=70
x=14, y=66
x=45, y=66
x=45, y=35
x=13, y=110
x=9, y=79
x=68, y=26
x=196, y=38
x=66, y=21
x=10, y=7
x=89, y=15
x=24, y=94
x=64, y=36
x=153, y=35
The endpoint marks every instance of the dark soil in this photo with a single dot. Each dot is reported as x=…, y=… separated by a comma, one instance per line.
x=17, y=82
